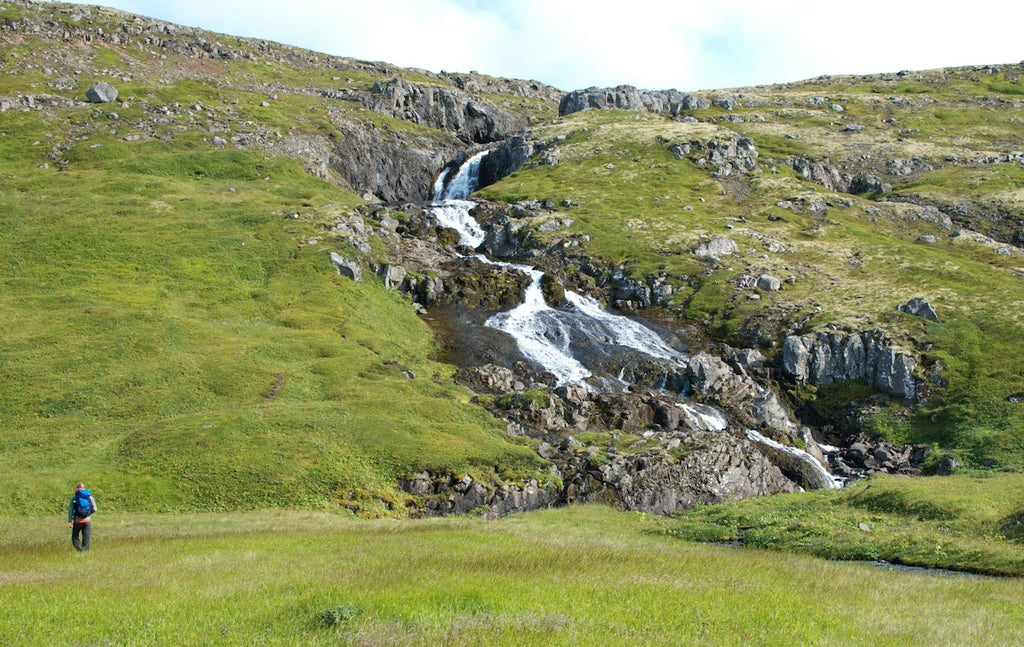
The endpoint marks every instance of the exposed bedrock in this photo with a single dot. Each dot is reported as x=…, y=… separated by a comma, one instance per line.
x=836, y=357
x=449, y=110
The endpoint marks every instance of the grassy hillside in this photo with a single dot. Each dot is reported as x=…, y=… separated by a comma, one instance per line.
x=173, y=340
x=171, y=328
x=173, y=333
x=565, y=577
x=846, y=261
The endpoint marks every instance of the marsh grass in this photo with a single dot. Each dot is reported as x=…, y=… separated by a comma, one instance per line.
x=552, y=578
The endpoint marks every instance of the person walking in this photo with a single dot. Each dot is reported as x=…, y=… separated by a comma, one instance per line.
x=80, y=513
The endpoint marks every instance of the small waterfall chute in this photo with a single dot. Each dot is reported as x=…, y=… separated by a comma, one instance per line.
x=812, y=472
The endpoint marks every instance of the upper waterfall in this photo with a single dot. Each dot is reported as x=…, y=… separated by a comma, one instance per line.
x=560, y=340
x=465, y=182
x=450, y=205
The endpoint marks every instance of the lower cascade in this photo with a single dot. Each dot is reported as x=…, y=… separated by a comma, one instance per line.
x=689, y=455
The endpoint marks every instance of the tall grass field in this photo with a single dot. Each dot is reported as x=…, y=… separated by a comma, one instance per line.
x=581, y=575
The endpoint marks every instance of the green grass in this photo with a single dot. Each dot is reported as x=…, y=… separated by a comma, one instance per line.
x=171, y=337
x=961, y=523
x=552, y=578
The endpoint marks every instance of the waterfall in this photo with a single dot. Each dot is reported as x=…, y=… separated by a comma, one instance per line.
x=551, y=337
x=450, y=206
x=541, y=335
x=544, y=335
x=464, y=183
x=809, y=466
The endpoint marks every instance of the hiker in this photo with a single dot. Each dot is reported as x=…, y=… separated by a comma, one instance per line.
x=79, y=517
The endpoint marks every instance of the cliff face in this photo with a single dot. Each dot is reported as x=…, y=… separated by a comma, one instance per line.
x=833, y=357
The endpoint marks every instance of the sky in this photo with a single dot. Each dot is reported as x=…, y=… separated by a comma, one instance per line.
x=650, y=44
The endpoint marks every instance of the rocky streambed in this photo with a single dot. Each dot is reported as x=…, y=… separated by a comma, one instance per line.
x=642, y=430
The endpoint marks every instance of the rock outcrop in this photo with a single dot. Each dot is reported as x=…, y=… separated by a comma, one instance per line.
x=443, y=495
x=835, y=357
x=449, y=110
x=681, y=471
x=505, y=159
x=726, y=155
x=625, y=97
x=387, y=168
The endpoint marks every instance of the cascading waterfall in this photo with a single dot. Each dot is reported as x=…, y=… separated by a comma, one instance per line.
x=547, y=336
x=543, y=334
x=814, y=472
x=451, y=208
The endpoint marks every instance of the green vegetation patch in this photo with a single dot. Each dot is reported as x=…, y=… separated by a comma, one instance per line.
x=964, y=523
x=584, y=574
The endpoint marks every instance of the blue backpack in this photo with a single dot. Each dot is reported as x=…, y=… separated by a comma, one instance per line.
x=83, y=506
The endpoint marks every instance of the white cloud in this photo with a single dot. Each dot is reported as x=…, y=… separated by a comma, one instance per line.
x=648, y=43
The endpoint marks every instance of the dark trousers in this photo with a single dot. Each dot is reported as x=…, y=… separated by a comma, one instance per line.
x=80, y=534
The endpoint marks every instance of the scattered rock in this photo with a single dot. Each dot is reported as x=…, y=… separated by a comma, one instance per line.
x=346, y=267
x=918, y=307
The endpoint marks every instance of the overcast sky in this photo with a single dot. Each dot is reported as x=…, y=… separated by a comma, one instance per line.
x=652, y=44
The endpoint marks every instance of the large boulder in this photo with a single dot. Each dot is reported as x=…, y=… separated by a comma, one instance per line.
x=717, y=247
x=102, y=92
x=919, y=308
